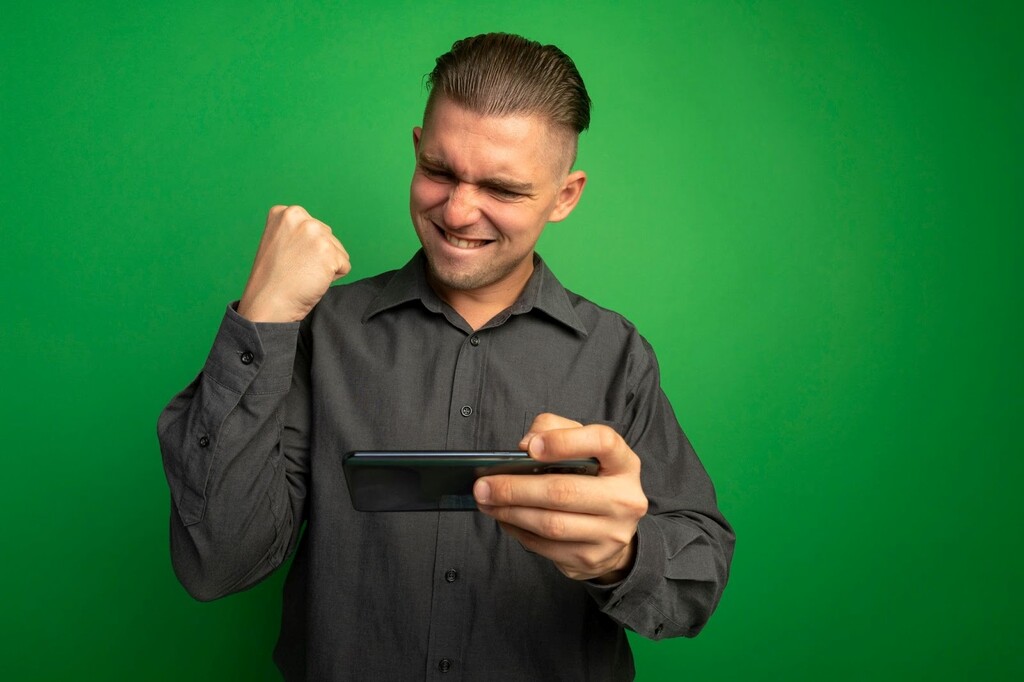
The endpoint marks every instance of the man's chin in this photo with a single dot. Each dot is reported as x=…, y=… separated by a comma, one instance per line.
x=459, y=278
x=465, y=280
x=461, y=281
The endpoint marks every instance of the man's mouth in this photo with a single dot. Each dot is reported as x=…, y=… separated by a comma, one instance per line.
x=460, y=243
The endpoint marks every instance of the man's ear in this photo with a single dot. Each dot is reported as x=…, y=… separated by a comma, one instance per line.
x=417, y=132
x=568, y=196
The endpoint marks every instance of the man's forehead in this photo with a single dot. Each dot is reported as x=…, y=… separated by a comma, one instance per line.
x=521, y=138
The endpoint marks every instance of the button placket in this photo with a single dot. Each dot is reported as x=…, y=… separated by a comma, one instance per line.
x=452, y=596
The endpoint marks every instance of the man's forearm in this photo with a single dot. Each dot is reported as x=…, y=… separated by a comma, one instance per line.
x=234, y=514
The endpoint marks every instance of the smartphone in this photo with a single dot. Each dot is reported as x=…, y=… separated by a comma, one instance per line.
x=437, y=481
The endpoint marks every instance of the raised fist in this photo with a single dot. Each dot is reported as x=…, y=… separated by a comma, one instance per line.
x=298, y=259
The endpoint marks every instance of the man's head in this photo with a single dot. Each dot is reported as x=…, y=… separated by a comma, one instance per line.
x=493, y=162
x=497, y=74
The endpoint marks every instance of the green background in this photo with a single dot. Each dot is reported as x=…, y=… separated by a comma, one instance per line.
x=812, y=210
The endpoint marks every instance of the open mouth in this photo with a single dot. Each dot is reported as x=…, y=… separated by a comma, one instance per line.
x=461, y=243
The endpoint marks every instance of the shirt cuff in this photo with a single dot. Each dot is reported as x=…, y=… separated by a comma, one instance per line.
x=252, y=357
x=622, y=600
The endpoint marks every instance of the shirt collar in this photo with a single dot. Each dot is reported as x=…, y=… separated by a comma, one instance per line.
x=543, y=292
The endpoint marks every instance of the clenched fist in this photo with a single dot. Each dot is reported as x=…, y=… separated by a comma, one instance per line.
x=298, y=259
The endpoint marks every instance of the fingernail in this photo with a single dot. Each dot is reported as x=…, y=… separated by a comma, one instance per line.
x=482, y=491
x=537, y=445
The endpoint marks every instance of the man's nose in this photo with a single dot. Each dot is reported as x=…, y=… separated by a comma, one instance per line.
x=462, y=208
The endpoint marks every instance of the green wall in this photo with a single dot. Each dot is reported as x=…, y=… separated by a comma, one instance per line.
x=813, y=210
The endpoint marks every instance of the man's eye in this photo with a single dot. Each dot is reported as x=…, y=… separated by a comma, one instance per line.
x=436, y=174
x=505, y=194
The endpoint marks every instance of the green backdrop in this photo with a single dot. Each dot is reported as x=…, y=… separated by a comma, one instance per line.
x=812, y=210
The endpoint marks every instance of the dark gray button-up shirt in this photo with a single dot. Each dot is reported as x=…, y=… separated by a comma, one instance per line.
x=252, y=450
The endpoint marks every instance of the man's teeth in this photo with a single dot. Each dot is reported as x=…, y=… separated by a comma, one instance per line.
x=464, y=243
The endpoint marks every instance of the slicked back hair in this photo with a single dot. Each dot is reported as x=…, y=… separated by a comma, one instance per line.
x=499, y=74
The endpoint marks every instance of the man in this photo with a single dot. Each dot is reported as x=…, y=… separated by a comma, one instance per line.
x=473, y=345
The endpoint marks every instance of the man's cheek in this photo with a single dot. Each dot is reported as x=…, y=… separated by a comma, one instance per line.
x=426, y=193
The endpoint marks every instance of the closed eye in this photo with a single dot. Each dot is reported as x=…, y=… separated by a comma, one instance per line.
x=504, y=194
x=436, y=173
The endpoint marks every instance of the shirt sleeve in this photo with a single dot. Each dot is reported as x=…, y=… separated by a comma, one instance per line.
x=235, y=453
x=684, y=544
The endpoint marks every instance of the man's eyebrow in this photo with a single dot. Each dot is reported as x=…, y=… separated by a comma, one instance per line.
x=432, y=161
x=507, y=184
x=496, y=182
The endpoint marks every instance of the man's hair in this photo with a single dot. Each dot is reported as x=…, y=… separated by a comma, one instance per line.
x=498, y=74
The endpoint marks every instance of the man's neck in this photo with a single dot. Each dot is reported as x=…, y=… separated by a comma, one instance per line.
x=479, y=306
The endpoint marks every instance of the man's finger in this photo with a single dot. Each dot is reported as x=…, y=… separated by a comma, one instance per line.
x=577, y=560
x=559, y=526
x=343, y=264
x=341, y=247
x=594, y=440
x=546, y=422
x=574, y=492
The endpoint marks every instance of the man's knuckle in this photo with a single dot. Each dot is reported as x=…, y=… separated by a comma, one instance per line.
x=294, y=212
x=607, y=438
x=503, y=491
x=562, y=491
x=553, y=527
x=573, y=573
x=588, y=561
x=623, y=536
x=543, y=421
x=633, y=507
x=640, y=506
x=323, y=246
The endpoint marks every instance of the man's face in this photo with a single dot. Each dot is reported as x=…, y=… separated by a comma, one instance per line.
x=483, y=190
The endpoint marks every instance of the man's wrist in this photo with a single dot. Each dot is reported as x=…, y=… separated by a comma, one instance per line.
x=623, y=566
x=254, y=311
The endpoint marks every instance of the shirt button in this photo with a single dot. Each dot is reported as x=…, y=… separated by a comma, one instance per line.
x=451, y=575
x=474, y=340
x=247, y=358
x=466, y=410
x=444, y=665
x=204, y=441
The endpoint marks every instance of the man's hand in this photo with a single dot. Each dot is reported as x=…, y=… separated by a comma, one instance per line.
x=586, y=525
x=297, y=261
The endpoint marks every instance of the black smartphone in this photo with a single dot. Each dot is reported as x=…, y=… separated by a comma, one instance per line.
x=437, y=481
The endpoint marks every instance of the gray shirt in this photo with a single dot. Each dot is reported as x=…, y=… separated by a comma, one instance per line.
x=252, y=451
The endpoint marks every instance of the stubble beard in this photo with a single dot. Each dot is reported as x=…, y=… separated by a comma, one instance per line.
x=452, y=279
